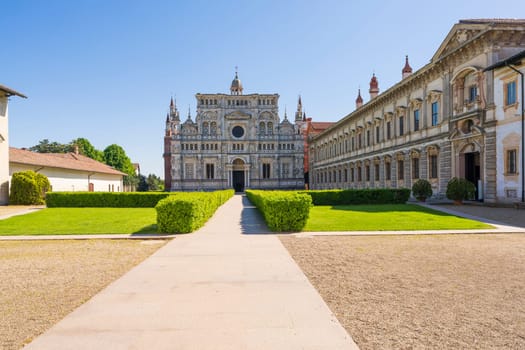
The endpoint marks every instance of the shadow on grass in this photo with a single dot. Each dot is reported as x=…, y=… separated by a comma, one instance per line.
x=252, y=222
x=149, y=230
x=386, y=208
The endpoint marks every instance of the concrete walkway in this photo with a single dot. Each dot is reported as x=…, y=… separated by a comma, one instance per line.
x=15, y=210
x=223, y=287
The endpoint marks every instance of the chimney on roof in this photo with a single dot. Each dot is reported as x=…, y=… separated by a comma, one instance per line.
x=75, y=148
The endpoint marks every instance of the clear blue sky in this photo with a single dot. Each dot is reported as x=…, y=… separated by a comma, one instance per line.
x=106, y=69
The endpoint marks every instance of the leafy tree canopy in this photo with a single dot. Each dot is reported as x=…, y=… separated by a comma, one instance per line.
x=116, y=157
x=143, y=185
x=44, y=146
x=87, y=149
x=155, y=183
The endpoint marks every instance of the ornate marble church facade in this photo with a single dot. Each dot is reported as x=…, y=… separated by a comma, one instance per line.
x=236, y=141
x=459, y=115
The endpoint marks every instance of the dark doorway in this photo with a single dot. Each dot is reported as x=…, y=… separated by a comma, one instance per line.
x=238, y=180
x=472, y=169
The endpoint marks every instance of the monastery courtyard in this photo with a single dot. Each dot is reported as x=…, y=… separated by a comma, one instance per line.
x=234, y=282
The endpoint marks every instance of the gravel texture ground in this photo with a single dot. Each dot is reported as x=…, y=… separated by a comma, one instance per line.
x=43, y=281
x=421, y=292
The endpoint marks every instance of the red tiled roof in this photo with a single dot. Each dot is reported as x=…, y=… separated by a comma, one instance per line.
x=69, y=161
x=321, y=125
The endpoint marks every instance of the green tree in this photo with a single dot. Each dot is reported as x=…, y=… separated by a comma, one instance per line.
x=154, y=183
x=132, y=181
x=87, y=149
x=44, y=146
x=143, y=185
x=116, y=157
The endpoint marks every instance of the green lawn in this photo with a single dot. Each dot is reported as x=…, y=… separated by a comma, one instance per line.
x=65, y=221
x=405, y=217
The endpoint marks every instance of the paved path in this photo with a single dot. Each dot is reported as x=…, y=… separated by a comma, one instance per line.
x=223, y=287
x=498, y=215
x=8, y=211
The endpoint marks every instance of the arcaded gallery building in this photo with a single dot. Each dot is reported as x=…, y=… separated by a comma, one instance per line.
x=236, y=141
x=459, y=115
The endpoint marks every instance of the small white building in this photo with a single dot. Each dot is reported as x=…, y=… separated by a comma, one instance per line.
x=5, y=93
x=67, y=171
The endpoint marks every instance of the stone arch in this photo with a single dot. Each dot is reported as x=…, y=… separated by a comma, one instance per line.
x=469, y=147
x=238, y=164
x=415, y=153
x=400, y=155
x=433, y=149
x=462, y=73
x=266, y=116
x=468, y=89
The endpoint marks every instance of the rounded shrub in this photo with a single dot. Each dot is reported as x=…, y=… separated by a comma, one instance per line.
x=28, y=188
x=459, y=189
x=422, y=189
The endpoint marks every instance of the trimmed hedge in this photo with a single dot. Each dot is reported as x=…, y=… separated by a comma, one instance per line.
x=364, y=196
x=283, y=211
x=188, y=211
x=105, y=199
x=28, y=187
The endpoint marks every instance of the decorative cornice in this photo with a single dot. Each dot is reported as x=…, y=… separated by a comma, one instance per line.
x=443, y=66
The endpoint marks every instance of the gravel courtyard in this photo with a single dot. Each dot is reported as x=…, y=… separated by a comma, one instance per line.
x=421, y=292
x=43, y=281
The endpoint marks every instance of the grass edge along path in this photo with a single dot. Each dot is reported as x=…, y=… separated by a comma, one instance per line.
x=385, y=217
x=67, y=221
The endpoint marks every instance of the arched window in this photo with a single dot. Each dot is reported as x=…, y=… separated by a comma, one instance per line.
x=269, y=127
x=467, y=89
x=262, y=128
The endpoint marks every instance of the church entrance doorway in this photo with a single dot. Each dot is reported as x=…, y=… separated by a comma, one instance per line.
x=238, y=176
x=472, y=169
x=238, y=180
